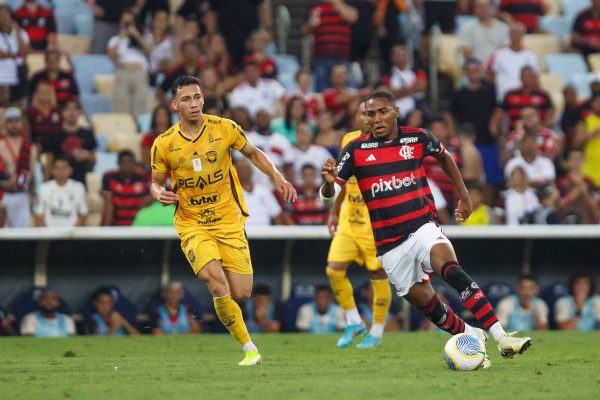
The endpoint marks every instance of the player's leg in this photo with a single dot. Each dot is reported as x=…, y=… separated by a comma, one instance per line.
x=444, y=262
x=382, y=299
x=344, y=248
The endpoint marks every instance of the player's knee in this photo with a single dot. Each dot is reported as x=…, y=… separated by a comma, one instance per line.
x=377, y=274
x=333, y=272
x=241, y=295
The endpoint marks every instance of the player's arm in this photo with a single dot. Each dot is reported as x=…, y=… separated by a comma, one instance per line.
x=158, y=191
x=334, y=212
x=262, y=162
x=465, y=206
x=330, y=190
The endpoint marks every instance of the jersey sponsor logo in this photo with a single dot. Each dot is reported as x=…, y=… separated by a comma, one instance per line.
x=209, y=217
x=407, y=152
x=369, y=145
x=356, y=199
x=343, y=160
x=173, y=149
x=371, y=158
x=200, y=182
x=191, y=256
x=202, y=200
x=211, y=156
x=392, y=184
x=212, y=139
x=410, y=139
x=214, y=121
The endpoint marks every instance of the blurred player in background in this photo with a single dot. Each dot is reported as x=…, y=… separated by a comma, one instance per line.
x=211, y=210
x=387, y=163
x=350, y=227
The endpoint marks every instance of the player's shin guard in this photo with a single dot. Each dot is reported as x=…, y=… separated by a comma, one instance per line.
x=230, y=314
x=382, y=298
x=342, y=288
x=472, y=297
x=443, y=316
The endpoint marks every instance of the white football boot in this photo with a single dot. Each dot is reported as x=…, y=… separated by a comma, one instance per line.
x=482, y=336
x=508, y=345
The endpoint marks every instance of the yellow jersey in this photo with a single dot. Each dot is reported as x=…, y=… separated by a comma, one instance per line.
x=591, y=165
x=354, y=214
x=202, y=174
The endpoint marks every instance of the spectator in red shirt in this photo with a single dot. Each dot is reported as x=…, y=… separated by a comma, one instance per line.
x=586, y=30
x=125, y=192
x=44, y=115
x=340, y=99
x=529, y=95
x=330, y=23
x=313, y=101
x=161, y=121
x=530, y=124
x=527, y=12
x=38, y=22
x=62, y=80
x=578, y=205
x=308, y=209
x=257, y=43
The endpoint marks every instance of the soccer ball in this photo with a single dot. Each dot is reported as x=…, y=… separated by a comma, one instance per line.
x=464, y=352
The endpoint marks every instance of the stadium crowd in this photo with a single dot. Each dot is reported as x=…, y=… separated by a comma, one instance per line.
x=75, y=135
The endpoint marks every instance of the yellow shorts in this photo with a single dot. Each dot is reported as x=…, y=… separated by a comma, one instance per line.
x=345, y=248
x=200, y=246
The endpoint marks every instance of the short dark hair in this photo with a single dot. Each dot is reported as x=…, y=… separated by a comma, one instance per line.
x=323, y=287
x=308, y=166
x=436, y=120
x=262, y=289
x=527, y=277
x=125, y=153
x=191, y=41
x=466, y=129
x=102, y=291
x=382, y=94
x=582, y=275
x=185, y=80
x=74, y=102
x=60, y=157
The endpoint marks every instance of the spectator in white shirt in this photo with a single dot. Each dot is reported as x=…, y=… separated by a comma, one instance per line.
x=47, y=321
x=506, y=63
x=61, y=201
x=257, y=93
x=403, y=81
x=524, y=311
x=262, y=204
x=520, y=200
x=305, y=152
x=540, y=170
x=14, y=44
x=480, y=38
x=321, y=315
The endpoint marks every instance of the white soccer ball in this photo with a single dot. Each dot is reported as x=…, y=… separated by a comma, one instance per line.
x=464, y=352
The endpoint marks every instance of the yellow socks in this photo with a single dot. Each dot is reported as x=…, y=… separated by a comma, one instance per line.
x=382, y=299
x=230, y=315
x=342, y=288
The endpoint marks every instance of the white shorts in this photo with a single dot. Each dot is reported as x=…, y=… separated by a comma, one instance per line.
x=410, y=262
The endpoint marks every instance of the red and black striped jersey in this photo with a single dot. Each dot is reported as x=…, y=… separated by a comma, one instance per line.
x=516, y=100
x=527, y=12
x=333, y=34
x=127, y=195
x=392, y=181
x=38, y=24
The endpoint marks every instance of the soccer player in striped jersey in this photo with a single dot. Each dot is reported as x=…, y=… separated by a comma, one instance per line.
x=350, y=228
x=387, y=164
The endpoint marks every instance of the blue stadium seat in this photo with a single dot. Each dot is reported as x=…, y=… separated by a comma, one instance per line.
x=87, y=66
x=565, y=65
x=92, y=103
x=556, y=24
x=287, y=67
x=581, y=83
x=571, y=8
x=301, y=294
x=105, y=162
x=496, y=291
x=550, y=294
x=122, y=304
x=144, y=121
x=27, y=303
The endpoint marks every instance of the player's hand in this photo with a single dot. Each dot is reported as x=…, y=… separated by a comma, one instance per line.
x=329, y=171
x=286, y=189
x=166, y=197
x=332, y=224
x=464, y=209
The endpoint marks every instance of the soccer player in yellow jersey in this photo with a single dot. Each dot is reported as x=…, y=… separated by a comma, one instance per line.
x=211, y=211
x=353, y=241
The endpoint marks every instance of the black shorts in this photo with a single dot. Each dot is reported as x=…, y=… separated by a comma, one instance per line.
x=441, y=12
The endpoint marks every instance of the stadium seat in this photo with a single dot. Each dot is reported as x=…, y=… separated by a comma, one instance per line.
x=74, y=44
x=496, y=291
x=92, y=103
x=36, y=62
x=565, y=64
x=287, y=67
x=449, y=56
x=95, y=202
x=122, y=304
x=113, y=125
x=104, y=84
x=93, y=219
x=93, y=182
x=301, y=294
x=551, y=82
x=105, y=162
x=571, y=8
x=581, y=82
x=594, y=62
x=557, y=25
x=552, y=7
x=131, y=142
x=144, y=121
x=87, y=67
x=542, y=44
x=550, y=294
x=27, y=304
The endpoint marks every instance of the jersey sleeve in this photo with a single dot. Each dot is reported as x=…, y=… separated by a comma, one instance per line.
x=238, y=138
x=345, y=164
x=157, y=159
x=562, y=312
x=431, y=145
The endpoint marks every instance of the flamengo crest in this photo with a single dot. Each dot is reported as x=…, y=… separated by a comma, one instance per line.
x=406, y=152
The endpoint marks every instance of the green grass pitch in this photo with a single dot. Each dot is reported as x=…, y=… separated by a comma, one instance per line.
x=559, y=365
